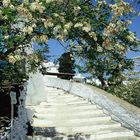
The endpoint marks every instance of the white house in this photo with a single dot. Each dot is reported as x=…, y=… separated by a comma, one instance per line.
x=51, y=67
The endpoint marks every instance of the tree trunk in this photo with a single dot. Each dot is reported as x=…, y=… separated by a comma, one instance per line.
x=103, y=83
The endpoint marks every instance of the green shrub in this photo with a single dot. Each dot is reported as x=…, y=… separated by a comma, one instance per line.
x=129, y=92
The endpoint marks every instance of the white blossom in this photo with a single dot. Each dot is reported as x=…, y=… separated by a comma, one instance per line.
x=6, y=2
x=78, y=25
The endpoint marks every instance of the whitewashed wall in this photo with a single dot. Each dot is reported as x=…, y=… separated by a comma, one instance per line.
x=35, y=89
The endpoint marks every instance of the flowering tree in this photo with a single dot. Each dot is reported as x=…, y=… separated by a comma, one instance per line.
x=16, y=42
x=91, y=29
x=38, y=21
x=105, y=55
x=24, y=23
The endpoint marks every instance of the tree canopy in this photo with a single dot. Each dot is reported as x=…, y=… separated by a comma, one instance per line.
x=97, y=32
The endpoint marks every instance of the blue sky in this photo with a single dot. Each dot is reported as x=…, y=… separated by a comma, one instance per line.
x=55, y=49
x=135, y=27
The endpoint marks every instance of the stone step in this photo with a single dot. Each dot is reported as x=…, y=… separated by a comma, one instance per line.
x=120, y=138
x=85, y=105
x=84, y=138
x=55, y=91
x=63, y=100
x=66, y=123
x=60, y=95
x=69, y=116
x=81, y=129
x=66, y=109
x=58, y=101
x=47, y=105
x=113, y=135
x=102, y=130
x=76, y=114
x=62, y=103
x=77, y=120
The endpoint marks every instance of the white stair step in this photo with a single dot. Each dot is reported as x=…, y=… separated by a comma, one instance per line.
x=58, y=117
x=47, y=105
x=39, y=138
x=62, y=100
x=117, y=133
x=76, y=114
x=65, y=109
x=66, y=101
x=77, y=120
x=67, y=138
x=86, y=130
x=91, y=129
x=120, y=138
x=53, y=89
x=65, y=123
x=60, y=95
x=62, y=103
x=112, y=135
x=78, y=102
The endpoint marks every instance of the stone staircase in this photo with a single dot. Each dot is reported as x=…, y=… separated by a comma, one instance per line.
x=68, y=117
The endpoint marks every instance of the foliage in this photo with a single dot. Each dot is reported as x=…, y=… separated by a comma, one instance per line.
x=22, y=23
x=104, y=52
x=92, y=29
x=66, y=65
x=15, y=45
x=129, y=91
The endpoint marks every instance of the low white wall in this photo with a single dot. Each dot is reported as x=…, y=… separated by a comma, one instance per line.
x=122, y=115
x=36, y=92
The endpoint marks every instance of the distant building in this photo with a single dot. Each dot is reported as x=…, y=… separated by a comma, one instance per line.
x=79, y=78
x=51, y=67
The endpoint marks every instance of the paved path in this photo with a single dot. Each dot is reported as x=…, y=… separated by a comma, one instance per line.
x=68, y=117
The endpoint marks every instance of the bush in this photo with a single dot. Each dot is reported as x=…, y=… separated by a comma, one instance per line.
x=129, y=92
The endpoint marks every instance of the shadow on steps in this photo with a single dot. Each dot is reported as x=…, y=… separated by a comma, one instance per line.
x=51, y=134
